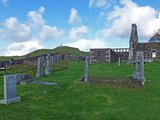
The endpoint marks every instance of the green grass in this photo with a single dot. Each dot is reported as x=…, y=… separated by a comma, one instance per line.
x=76, y=100
x=7, y=58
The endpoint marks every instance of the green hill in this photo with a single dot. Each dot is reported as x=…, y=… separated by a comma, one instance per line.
x=60, y=49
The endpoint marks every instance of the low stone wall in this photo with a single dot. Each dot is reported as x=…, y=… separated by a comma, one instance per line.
x=119, y=81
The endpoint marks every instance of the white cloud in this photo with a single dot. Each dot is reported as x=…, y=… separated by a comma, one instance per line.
x=28, y=35
x=78, y=32
x=49, y=32
x=127, y=13
x=74, y=18
x=4, y=2
x=98, y=3
x=36, y=20
x=91, y=2
x=41, y=10
x=23, y=47
x=16, y=31
x=86, y=44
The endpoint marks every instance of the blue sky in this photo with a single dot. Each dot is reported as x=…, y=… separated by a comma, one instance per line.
x=29, y=25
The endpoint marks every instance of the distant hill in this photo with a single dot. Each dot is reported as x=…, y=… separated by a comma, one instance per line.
x=59, y=49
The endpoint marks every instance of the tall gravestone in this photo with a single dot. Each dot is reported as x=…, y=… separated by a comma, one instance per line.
x=139, y=67
x=10, y=92
x=52, y=60
x=57, y=59
x=11, y=61
x=48, y=68
x=119, y=61
x=130, y=56
x=60, y=57
x=40, y=67
x=90, y=60
x=140, y=56
x=86, y=69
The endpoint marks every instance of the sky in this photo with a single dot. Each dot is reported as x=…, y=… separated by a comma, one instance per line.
x=28, y=25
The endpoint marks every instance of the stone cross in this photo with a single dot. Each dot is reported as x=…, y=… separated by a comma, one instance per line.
x=10, y=92
x=86, y=69
x=48, y=69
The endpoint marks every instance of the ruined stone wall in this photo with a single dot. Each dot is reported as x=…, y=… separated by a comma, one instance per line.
x=100, y=55
x=103, y=55
x=123, y=55
x=148, y=48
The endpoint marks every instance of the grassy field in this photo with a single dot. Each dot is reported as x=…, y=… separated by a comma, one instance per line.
x=73, y=99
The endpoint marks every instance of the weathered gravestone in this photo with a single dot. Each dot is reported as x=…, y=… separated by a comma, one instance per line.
x=52, y=60
x=48, y=68
x=90, y=62
x=57, y=59
x=119, y=61
x=11, y=61
x=10, y=92
x=86, y=69
x=40, y=67
x=60, y=57
x=139, y=67
x=130, y=56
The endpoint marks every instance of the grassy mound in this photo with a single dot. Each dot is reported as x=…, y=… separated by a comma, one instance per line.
x=60, y=49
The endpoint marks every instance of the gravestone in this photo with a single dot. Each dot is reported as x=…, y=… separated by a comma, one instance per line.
x=57, y=59
x=60, y=57
x=130, y=56
x=10, y=92
x=90, y=60
x=139, y=67
x=11, y=61
x=52, y=60
x=86, y=69
x=140, y=56
x=48, y=68
x=40, y=67
x=119, y=61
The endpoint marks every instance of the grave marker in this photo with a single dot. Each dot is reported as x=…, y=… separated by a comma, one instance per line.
x=40, y=67
x=139, y=67
x=119, y=61
x=10, y=92
x=48, y=69
x=86, y=69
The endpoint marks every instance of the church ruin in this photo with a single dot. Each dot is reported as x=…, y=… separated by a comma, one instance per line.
x=151, y=49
